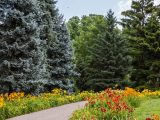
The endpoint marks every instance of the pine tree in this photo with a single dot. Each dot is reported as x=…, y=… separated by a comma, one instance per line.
x=134, y=26
x=73, y=25
x=20, y=54
x=60, y=58
x=50, y=13
x=83, y=32
x=152, y=49
x=35, y=48
x=110, y=60
x=59, y=47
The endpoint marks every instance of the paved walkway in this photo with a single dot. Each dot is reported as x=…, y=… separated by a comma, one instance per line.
x=57, y=113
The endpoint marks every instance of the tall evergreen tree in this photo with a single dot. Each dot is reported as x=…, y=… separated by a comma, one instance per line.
x=83, y=32
x=20, y=54
x=59, y=56
x=135, y=26
x=110, y=61
x=59, y=47
x=35, y=48
x=152, y=49
x=73, y=25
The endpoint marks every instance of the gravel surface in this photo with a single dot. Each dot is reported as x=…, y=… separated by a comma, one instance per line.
x=57, y=113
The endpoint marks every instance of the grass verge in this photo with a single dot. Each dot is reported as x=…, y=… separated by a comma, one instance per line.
x=147, y=109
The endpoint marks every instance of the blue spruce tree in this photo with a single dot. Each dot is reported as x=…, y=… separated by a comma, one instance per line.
x=20, y=51
x=35, y=47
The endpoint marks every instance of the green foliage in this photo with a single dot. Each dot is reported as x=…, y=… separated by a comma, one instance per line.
x=152, y=49
x=141, y=25
x=134, y=101
x=93, y=113
x=83, y=32
x=74, y=25
x=109, y=60
x=100, y=52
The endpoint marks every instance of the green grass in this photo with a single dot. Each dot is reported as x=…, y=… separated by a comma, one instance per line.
x=148, y=108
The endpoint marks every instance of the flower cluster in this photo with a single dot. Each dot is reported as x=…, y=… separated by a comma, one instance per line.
x=131, y=92
x=154, y=117
x=1, y=101
x=147, y=92
x=86, y=94
x=114, y=104
x=109, y=100
x=106, y=105
x=15, y=95
x=59, y=91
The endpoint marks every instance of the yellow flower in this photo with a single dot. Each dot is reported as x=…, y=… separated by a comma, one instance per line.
x=57, y=91
x=1, y=102
x=15, y=96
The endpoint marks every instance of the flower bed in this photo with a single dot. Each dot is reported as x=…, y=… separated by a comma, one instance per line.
x=114, y=105
x=17, y=104
x=107, y=105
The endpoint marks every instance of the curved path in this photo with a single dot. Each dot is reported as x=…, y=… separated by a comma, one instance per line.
x=57, y=113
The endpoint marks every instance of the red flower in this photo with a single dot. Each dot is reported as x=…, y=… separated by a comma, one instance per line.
x=110, y=95
x=103, y=109
x=148, y=119
x=115, y=100
x=86, y=104
x=92, y=118
x=108, y=103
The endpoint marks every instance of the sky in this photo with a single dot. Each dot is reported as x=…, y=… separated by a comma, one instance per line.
x=70, y=8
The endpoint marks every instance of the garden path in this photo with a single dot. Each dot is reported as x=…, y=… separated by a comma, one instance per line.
x=57, y=113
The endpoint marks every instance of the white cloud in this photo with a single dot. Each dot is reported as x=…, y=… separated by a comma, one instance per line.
x=122, y=6
x=157, y=2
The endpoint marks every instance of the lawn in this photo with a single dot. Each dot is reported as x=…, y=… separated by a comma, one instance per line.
x=148, y=108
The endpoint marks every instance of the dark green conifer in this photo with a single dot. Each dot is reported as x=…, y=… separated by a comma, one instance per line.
x=110, y=61
x=134, y=24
